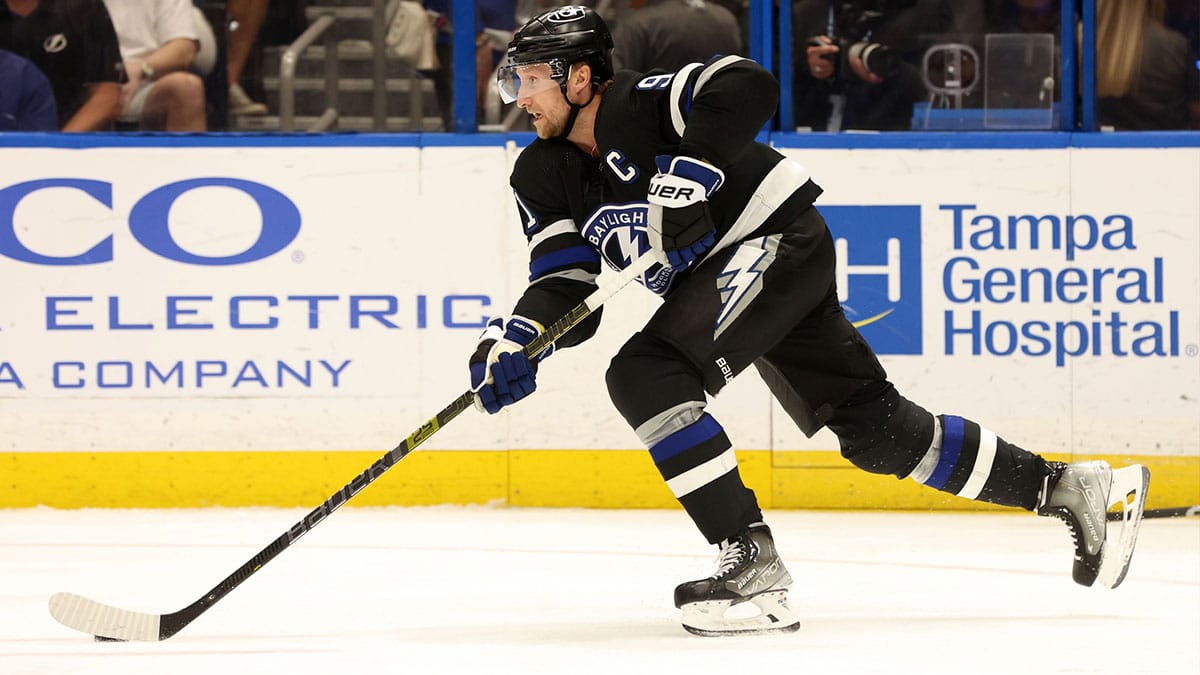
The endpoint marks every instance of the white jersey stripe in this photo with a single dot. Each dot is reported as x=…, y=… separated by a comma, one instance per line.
x=711, y=70
x=784, y=179
x=678, y=93
x=564, y=226
x=984, y=458
x=694, y=479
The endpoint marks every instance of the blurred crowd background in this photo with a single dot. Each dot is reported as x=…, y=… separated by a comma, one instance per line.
x=389, y=65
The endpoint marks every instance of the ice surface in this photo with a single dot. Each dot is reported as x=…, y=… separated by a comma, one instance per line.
x=445, y=590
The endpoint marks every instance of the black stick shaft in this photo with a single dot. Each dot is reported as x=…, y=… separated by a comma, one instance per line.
x=174, y=622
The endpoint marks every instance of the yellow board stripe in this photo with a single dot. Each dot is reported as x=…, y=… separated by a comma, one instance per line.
x=566, y=478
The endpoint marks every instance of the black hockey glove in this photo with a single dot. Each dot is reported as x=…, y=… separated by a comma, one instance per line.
x=500, y=373
x=680, y=226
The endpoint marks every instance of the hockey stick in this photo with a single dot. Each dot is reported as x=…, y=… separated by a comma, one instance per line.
x=111, y=623
x=1174, y=512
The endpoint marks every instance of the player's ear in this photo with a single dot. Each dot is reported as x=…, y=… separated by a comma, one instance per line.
x=581, y=75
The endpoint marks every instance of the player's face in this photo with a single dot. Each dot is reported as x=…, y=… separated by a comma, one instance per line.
x=535, y=88
x=549, y=111
x=529, y=79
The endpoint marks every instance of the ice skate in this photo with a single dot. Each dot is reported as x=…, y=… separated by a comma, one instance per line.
x=1080, y=494
x=747, y=593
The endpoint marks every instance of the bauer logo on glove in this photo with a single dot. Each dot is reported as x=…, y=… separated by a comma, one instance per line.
x=681, y=229
x=667, y=193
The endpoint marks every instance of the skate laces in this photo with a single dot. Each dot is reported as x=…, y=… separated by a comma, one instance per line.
x=733, y=551
x=1061, y=513
x=1077, y=506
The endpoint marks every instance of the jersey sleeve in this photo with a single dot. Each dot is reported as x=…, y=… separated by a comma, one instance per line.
x=548, y=185
x=717, y=109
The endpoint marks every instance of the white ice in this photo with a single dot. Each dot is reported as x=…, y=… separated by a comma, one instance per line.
x=506, y=590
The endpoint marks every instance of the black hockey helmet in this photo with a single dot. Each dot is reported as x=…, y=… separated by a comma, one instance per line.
x=558, y=37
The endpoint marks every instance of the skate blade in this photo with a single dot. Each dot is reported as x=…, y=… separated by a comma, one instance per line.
x=1129, y=486
x=762, y=613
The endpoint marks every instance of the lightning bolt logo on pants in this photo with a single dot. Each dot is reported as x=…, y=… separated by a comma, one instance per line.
x=741, y=280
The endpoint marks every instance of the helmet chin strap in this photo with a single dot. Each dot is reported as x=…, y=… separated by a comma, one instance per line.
x=575, y=108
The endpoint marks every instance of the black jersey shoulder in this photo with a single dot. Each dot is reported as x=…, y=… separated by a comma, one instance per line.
x=554, y=180
x=548, y=170
x=709, y=110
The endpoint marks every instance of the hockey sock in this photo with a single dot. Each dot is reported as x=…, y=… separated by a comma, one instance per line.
x=970, y=461
x=700, y=467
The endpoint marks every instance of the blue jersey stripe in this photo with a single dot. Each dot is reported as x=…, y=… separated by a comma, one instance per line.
x=688, y=437
x=559, y=259
x=952, y=443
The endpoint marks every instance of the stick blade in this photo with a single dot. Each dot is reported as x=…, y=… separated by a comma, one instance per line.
x=89, y=616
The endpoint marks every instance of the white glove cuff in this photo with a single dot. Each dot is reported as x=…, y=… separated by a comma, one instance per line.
x=673, y=192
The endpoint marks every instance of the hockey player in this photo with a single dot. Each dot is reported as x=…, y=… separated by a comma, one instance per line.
x=665, y=164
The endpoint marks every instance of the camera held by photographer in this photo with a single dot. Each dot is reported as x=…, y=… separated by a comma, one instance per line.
x=855, y=64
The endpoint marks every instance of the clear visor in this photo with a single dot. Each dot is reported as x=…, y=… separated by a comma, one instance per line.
x=529, y=79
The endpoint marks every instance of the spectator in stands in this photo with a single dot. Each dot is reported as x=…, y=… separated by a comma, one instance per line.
x=669, y=34
x=1024, y=16
x=740, y=9
x=74, y=45
x=835, y=88
x=496, y=20
x=492, y=18
x=1146, y=75
x=1183, y=16
x=245, y=19
x=26, y=99
x=443, y=77
x=158, y=44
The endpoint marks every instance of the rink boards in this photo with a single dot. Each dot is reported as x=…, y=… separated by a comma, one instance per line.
x=245, y=321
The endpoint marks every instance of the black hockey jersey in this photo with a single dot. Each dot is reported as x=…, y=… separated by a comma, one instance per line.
x=577, y=210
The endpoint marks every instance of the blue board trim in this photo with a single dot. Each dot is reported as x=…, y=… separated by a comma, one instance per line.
x=931, y=140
